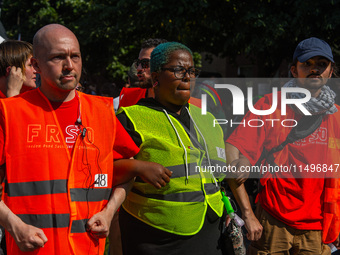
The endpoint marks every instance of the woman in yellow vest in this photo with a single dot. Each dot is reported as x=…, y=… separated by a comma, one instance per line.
x=182, y=216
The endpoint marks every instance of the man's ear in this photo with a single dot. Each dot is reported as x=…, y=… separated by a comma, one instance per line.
x=34, y=63
x=331, y=72
x=293, y=70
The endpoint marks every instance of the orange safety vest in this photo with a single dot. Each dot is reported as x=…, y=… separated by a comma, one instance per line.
x=46, y=186
x=331, y=210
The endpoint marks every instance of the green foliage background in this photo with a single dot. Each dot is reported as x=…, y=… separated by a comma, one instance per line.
x=110, y=31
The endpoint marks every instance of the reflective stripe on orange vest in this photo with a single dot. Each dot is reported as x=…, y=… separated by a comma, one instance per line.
x=56, y=187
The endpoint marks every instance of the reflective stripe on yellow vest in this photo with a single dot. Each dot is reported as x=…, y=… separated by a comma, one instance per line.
x=45, y=185
x=181, y=205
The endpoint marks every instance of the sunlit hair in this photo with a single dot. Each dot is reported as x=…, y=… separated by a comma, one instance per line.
x=161, y=54
x=14, y=53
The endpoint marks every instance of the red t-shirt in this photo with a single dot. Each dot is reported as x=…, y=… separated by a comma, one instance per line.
x=2, y=95
x=295, y=201
x=130, y=96
x=67, y=114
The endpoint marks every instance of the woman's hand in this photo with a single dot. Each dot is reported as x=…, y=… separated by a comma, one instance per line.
x=154, y=174
x=15, y=79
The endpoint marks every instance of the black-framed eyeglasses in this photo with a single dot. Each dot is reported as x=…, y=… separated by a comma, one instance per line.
x=145, y=62
x=180, y=72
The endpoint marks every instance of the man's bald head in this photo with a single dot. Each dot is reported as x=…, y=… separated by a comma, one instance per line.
x=49, y=32
x=57, y=58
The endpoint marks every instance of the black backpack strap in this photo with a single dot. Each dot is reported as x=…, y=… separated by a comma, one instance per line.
x=305, y=127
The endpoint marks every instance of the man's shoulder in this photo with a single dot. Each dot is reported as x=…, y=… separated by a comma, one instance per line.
x=137, y=90
x=336, y=114
x=130, y=96
x=96, y=98
x=31, y=95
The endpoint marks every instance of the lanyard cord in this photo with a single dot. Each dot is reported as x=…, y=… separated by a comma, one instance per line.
x=205, y=144
x=182, y=144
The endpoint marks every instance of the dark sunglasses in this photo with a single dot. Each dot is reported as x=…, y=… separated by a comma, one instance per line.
x=145, y=62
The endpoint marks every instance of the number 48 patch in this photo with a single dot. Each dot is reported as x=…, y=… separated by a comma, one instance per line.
x=100, y=180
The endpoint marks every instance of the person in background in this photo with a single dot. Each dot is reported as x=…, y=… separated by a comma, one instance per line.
x=130, y=96
x=298, y=214
x=17, y=74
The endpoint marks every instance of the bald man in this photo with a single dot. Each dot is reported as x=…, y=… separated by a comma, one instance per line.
x=58, y=148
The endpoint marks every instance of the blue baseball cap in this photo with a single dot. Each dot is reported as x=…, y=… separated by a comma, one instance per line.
x=312, y=47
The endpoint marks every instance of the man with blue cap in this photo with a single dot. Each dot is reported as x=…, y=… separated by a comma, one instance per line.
x=298, y=213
